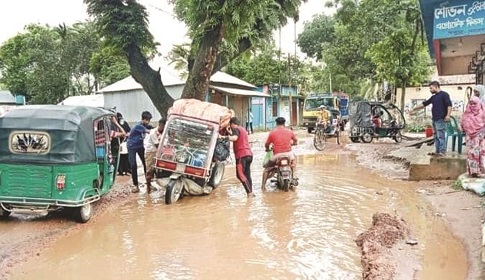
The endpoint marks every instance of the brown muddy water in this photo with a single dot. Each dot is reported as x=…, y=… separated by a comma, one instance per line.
x=306, y=234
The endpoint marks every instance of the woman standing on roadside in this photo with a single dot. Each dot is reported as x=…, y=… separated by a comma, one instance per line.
x=124, y=166
x=473, y=124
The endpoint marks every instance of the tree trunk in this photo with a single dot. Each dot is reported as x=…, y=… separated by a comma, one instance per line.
x=243, y=45
x=199, y=76
x=403, y=95
x=150, y=79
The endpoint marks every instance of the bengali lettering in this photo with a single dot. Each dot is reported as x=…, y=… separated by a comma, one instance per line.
x=477, y=6
x=446, y=12
x=474, y=21
x=450, y=24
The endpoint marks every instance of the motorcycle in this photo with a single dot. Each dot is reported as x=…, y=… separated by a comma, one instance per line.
x=282, y=174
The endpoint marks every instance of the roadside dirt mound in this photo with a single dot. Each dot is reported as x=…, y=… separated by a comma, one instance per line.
x=385, y=232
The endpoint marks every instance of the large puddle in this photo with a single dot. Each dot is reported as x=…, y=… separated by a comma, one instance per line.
x=307, y=234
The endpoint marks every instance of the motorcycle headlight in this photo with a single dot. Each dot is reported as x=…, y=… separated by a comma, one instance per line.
x=284, y=162
x=181, y=156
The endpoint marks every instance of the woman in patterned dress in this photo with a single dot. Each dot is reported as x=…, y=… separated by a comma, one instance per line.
x=473, y=124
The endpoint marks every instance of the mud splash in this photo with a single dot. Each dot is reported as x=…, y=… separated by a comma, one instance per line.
x=307, y=234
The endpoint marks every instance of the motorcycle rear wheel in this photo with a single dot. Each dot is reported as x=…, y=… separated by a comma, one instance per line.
x=286, y=185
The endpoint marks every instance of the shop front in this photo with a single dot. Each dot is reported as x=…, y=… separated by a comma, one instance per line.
x=455, y=31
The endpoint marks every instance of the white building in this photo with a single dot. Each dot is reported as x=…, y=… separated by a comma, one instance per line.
x=130, y=99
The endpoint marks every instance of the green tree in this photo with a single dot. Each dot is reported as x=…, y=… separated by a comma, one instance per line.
x=267, y=66
x=374, y=41
x=220, y=31
x=317, y=32
x=108, y=66
x=401, y=57
x=14, y=62
x=47, y=64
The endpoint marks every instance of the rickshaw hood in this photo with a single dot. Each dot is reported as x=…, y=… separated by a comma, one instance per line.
x=69, y=129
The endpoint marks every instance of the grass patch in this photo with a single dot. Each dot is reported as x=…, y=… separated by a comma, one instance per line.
x=457, y=185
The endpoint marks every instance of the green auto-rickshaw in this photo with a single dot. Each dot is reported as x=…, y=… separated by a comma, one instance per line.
x=53, y=157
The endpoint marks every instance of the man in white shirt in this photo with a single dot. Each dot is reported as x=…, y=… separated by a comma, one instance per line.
x=151, y=146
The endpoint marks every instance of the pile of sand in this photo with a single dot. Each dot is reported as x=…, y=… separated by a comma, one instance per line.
x=376, y=242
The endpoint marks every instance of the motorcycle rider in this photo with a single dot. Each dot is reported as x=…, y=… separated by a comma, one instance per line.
x=282, y=139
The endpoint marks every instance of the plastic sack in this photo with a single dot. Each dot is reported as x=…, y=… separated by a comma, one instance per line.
x=222, y=150
x=476, y=185
x=267, y=157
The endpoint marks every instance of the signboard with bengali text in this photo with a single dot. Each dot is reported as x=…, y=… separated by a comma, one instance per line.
x=459, y=18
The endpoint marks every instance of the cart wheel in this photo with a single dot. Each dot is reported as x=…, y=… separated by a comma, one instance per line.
x=174, y=191
x=4, y=214
x=398, y=137
x=366, y=138
x=84, y=213
x=355, y=139
x=319, y=139
x=217, y=174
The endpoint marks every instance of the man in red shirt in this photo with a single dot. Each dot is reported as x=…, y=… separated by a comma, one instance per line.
x=242, y=153
x=282, y=140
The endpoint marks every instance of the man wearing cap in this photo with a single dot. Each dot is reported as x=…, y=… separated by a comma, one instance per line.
x=282, y=139
x=243, y=154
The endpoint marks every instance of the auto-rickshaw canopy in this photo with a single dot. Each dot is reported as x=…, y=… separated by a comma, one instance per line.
x=49, y=134
x=362, y=112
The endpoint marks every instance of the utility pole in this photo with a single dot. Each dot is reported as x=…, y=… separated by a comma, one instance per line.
x=290, y=92
x=295, y=19
x=330, y=82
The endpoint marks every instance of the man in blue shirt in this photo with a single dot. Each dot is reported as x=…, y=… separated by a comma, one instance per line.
x=135, y=146
x=441, y=113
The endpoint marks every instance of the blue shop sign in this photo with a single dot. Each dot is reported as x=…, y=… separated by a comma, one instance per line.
x=459, y=18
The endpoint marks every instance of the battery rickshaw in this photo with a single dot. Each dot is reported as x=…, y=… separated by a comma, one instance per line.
x=369, y=120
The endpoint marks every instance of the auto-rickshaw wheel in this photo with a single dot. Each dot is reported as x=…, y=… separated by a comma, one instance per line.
x=366, y=138
x=174, y=191
x=84, y=213
x=398, y=137
x=354, y=139
x=4, y=214
x=217, y=174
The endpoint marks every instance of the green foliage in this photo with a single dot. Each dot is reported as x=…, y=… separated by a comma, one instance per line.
x=122, y=24
x=47, y=64
x=108, y=66
x=457, y=185
x=267, y=67
x=317, y=32
x=372, y=40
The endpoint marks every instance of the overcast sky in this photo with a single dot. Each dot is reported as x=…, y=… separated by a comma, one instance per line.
x=15, y=14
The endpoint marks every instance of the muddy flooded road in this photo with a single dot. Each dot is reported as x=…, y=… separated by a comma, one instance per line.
x=305, y=234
